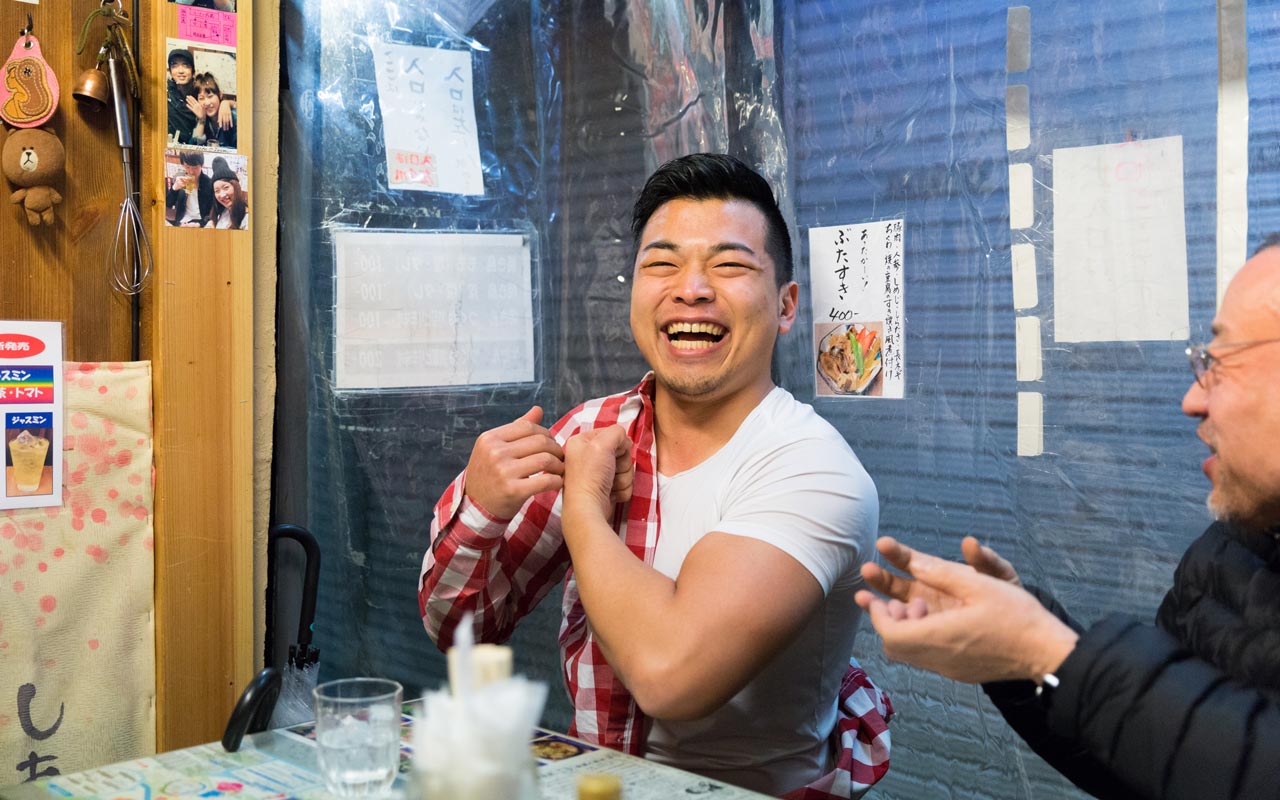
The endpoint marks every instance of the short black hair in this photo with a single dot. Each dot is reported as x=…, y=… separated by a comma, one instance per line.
x=712, y=176
x=192, y=157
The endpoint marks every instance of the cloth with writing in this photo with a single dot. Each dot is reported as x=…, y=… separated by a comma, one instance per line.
x=499, y=570
x=77, y=640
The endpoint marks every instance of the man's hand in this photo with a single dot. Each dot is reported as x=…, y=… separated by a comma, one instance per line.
x=224, y=114
x=512, y=463
x=599, y=471
x=969, y=622
x=915, y=599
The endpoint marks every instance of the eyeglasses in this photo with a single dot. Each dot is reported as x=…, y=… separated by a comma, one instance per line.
x=1202, y=360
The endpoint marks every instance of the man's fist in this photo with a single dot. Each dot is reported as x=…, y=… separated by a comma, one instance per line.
x=511, y=463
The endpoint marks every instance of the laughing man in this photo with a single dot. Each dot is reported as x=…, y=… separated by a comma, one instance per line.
x=715, y=640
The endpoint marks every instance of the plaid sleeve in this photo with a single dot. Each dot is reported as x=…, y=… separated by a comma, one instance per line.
x=498, y=570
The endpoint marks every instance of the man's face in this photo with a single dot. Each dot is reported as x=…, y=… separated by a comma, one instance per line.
x=209, y=100
x=705, y=304
x=1237, y=406
x=181, y=72
x=193, y=170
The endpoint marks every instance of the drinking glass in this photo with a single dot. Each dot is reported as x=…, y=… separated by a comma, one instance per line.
x=358, y=735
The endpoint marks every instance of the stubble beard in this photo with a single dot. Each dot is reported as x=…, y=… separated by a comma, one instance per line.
x=1244, y=506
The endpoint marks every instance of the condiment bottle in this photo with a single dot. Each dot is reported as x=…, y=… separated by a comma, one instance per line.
x=601, y=786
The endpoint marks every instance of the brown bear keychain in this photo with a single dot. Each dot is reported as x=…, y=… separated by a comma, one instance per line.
x=32, y=158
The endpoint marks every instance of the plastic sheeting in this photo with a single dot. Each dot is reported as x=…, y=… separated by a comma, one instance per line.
x=856, y=112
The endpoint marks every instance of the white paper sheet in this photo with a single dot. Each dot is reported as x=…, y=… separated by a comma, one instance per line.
x=1119, y=243
x=428, y=118
x=856, y=276
x=31, y=396
x=432, y=309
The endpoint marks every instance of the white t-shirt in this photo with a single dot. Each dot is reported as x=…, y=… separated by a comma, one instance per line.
x=788, y=478
x=192, y=212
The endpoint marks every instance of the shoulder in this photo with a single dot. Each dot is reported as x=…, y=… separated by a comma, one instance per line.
x=782, y=425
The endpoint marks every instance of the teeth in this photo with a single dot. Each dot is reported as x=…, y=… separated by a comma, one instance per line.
x=695, y=327
x=690, y=344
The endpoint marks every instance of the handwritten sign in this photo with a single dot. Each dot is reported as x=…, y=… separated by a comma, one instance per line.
x=856, y=276
x=1120, y=243
x=417, y=309
x=205, y=25
x=31, y=410
x=428, y=119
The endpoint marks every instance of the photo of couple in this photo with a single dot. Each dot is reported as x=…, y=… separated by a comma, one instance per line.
x=200, y=194
x=202, y=96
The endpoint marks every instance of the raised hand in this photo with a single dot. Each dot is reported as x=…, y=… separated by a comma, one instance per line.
x=960, y=622
x=224, y=114
x=908, y=597
x=196, y=108
x=513, y=462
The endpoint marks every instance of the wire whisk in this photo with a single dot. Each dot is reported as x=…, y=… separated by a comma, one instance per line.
x=129, y=261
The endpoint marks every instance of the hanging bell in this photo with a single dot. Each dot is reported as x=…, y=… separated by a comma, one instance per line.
x=92, y=89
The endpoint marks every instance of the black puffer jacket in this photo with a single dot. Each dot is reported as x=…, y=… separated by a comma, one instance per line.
x=1188, y=708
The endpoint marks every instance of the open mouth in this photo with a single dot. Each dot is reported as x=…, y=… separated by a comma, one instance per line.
x=694, y=335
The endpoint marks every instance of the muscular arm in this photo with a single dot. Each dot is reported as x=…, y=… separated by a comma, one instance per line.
x=682, y=647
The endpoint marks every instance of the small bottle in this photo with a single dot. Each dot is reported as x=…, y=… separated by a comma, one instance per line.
x=602, y=786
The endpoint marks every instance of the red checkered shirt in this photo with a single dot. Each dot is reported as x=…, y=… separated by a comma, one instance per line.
x=500, y=570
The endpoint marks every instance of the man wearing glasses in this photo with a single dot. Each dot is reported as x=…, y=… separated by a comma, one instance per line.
x=1188, y=707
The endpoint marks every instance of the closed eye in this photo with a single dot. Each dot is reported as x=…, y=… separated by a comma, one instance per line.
x=659, y=267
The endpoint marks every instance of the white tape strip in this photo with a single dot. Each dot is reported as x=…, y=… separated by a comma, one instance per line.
x=1018, y=50
x=1233, y=141
x=1025, y=292
x=1030, y=423
x=1028, y=348
x=1021, y=196
x=1017, y=117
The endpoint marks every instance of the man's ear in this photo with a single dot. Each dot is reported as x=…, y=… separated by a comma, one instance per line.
x=788, y=299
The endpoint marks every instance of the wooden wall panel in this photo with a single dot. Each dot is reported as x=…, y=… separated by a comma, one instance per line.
x=58, y=272
x=197, y=329
x=200, y=328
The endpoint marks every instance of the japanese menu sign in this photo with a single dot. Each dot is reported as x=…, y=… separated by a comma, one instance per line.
x=417, y=309
x=428, y=118
x=31, y=408
x=856, y=276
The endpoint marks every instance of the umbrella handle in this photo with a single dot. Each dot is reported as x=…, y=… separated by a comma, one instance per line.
x=311, y=579
x=252, y=713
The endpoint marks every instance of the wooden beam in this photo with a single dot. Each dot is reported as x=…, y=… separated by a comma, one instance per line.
x=200, y=340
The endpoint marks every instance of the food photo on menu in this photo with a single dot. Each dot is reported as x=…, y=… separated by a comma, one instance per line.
x=849, y=359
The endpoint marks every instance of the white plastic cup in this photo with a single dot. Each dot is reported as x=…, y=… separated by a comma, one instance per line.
x=358, y=735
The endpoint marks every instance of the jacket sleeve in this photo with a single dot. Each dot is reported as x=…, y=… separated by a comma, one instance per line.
x=1028, y=715
x=1136, y=716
